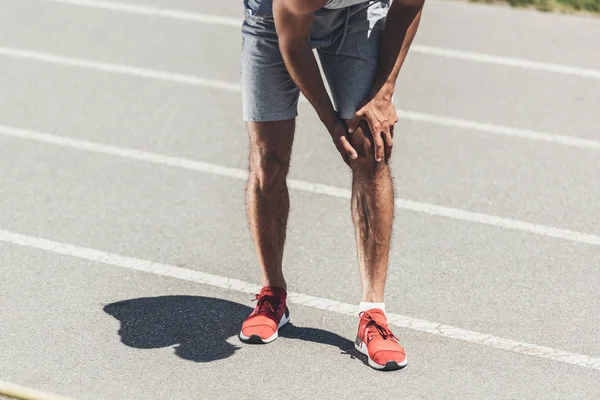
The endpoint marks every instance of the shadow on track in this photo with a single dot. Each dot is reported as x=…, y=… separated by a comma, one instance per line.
x=198, y=327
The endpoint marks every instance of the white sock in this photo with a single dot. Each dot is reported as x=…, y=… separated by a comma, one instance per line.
x=366, y=306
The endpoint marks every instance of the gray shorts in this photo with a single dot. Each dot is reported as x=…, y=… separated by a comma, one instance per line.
x=347, y=41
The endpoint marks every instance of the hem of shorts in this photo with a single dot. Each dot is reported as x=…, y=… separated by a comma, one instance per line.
x=270, y=118
x=350, y=115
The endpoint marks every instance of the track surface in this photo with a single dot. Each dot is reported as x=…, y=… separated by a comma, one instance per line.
x=172, y=338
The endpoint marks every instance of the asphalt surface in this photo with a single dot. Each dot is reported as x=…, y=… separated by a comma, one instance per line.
x=94, y=331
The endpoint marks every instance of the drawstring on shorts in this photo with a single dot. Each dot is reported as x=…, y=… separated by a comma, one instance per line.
x=347, y=23
x=345, y=31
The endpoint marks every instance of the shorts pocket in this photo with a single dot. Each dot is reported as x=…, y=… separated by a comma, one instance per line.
x=366, y=30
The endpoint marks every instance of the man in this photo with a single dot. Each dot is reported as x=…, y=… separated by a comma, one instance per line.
x=361, y=46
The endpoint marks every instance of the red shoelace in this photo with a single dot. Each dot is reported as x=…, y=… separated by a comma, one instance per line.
x=373, y=326
x=264, y=305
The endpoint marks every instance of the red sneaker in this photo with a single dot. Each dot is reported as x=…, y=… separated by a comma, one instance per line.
x=376, y=341
x=270, y=314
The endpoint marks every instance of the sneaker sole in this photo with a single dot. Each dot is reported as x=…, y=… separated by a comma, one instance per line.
x=389, y=366
x=255, y=339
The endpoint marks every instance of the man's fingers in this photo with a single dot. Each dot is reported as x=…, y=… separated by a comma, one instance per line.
x=378, y=142
x=347, y=148
x=389, y=142
x=355, y=121
x=375, y=129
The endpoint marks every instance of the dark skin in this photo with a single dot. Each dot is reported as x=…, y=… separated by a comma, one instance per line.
x=365, y=144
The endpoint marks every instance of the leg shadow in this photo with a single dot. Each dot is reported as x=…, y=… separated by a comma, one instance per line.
x=199, y=327
x=322, y=336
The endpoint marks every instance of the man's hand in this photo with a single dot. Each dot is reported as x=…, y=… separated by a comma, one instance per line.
x=380, y=114
x=339, y=135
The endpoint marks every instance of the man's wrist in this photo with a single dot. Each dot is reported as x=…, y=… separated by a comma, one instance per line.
x=329, y=118
x=384, y=91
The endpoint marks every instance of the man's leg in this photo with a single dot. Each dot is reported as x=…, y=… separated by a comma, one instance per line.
x=372, y=213
x=350, y=64
x=267, y=198
x=268, y=205
x=269, y=95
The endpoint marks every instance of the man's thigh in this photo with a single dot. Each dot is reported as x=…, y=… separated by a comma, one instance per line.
x=268, y=91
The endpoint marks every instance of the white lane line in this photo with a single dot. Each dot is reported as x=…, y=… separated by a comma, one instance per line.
x=310, y=187
x=25, y=393
x=305, y=300
x=117, y=69
x=417, y=48
x=508, y=61
x=234, y=87
x=155, y=12
x=500, y=130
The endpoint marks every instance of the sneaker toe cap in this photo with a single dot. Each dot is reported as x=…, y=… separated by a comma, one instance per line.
x=259, y=326
x=382, y=357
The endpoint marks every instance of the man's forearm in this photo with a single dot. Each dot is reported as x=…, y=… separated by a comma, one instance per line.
x=293, y=21
x=304, y=70
x=401, y=26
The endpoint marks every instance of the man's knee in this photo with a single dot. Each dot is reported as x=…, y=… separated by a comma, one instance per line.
x=270, y=151
x=268, y=167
